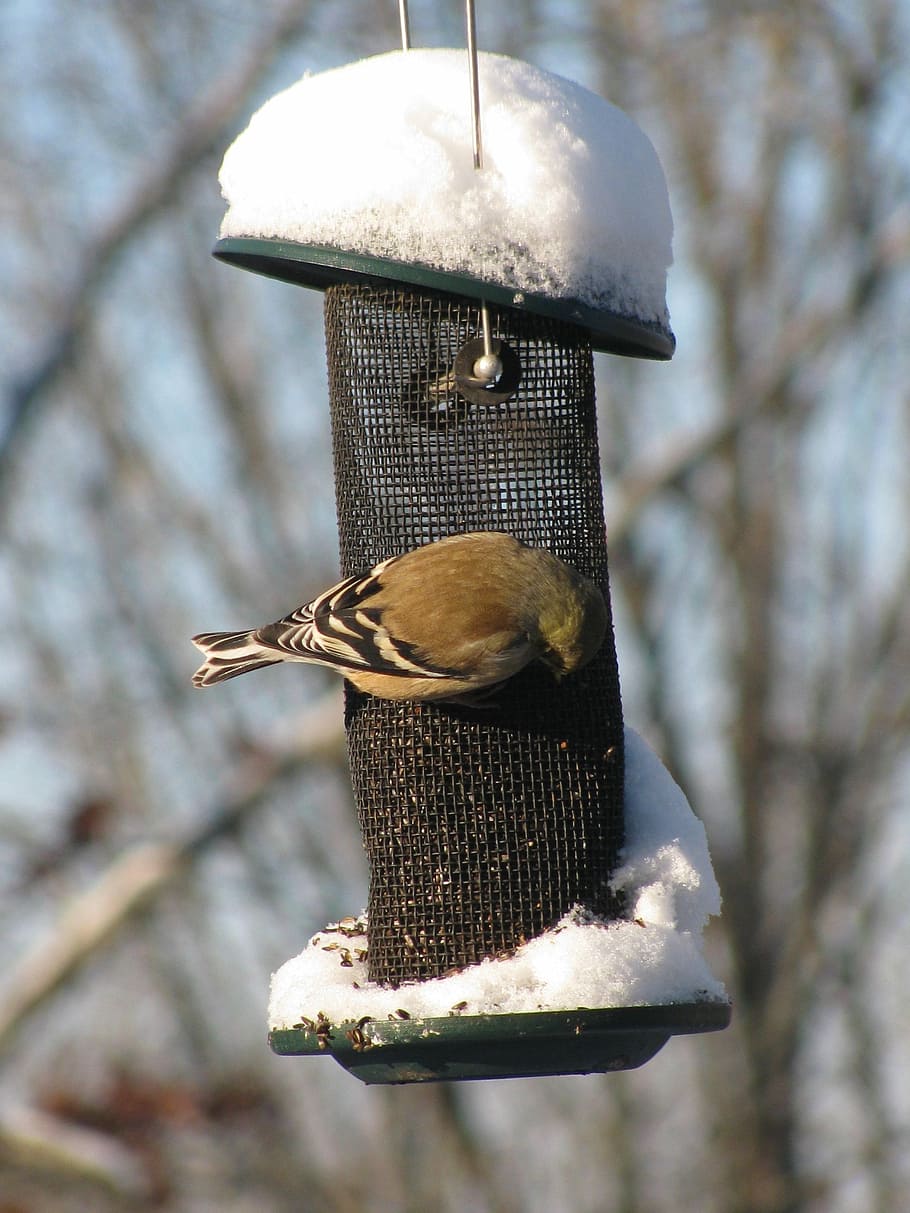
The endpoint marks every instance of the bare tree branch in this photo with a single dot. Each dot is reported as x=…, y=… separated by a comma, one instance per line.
x=203, y=129
x=135, y=879
x=76, y=1152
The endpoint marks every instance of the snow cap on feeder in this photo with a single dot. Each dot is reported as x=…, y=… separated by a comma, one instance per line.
x=364, y=172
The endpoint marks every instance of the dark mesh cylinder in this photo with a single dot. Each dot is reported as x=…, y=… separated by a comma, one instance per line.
x=482, y=826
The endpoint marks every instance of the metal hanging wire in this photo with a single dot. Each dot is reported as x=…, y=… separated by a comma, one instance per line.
x=488, y=368
x=475, y=84
x=405, y=25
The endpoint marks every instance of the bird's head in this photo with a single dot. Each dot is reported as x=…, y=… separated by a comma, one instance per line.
x=573, y=623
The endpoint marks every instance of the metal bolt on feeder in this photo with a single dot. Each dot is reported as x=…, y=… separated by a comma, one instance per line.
x=463, y=299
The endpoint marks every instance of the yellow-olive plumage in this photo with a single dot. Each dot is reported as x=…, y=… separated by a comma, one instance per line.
x=441, y=622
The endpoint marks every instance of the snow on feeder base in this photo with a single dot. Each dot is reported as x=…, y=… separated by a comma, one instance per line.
x=584, y=997
x=490, y=831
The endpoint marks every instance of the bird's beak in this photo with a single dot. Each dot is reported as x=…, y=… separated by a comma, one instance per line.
x=554, y=664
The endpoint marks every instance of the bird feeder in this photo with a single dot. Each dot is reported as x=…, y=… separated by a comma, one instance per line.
x=461, y=390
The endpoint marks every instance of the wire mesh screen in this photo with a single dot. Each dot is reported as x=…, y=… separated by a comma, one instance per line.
x=482, y=826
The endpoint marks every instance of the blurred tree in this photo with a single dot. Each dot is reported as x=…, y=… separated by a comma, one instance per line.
x=770, y=547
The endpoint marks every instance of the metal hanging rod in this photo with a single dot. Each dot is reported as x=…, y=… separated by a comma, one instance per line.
x=405, y=25
x=471, y=22
x=475, y=84
x=489, y=366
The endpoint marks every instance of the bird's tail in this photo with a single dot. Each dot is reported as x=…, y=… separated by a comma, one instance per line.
x=228, y=654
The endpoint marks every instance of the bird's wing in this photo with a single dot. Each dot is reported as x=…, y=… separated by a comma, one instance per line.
x=341, y=629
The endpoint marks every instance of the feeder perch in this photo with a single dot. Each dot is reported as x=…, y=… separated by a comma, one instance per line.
x=463, y=400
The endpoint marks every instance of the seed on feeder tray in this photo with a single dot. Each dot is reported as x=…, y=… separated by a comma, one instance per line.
x=357, y=1037
x=323, y=1030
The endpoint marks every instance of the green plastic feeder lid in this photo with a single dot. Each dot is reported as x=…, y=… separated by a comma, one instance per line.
x=320, y=266
x=462, y=1047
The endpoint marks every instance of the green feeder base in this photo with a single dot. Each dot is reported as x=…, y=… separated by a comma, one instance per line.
x=320, y=266
x=459, y=1047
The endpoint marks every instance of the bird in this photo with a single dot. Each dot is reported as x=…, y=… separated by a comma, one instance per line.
x=449, y=621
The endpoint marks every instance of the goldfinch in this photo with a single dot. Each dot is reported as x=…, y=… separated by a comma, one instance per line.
x=441, y=622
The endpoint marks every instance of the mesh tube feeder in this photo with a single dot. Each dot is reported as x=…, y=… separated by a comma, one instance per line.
x=483, y=827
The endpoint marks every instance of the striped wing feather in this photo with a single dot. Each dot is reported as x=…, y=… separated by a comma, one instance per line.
x=337, y=629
